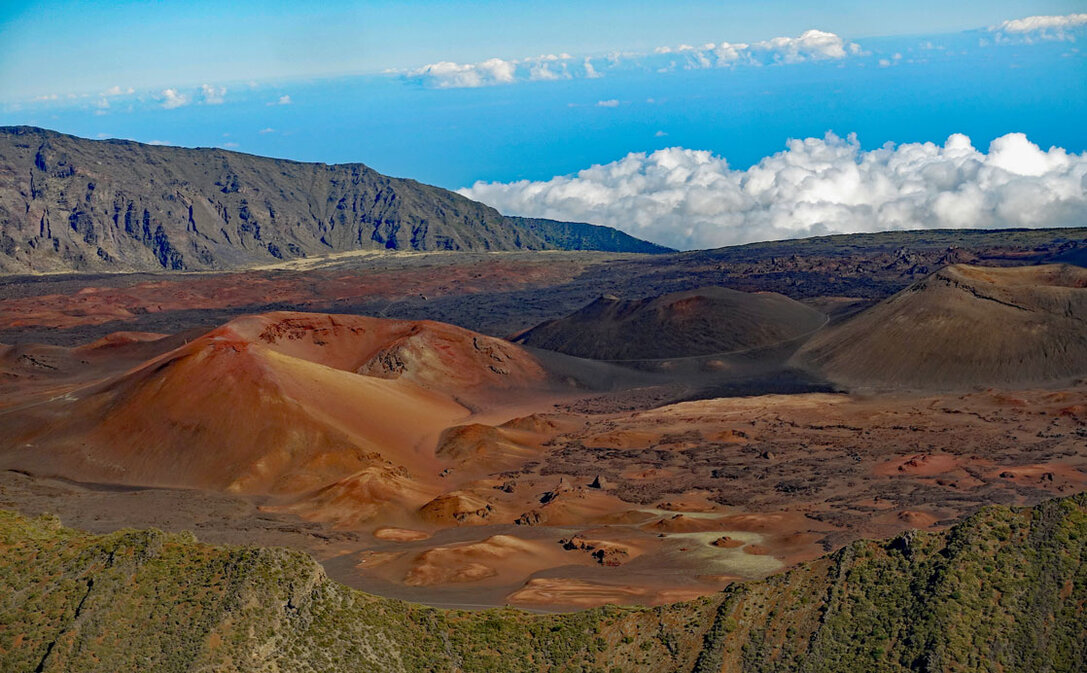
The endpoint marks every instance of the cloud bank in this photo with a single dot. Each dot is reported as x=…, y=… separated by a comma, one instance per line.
x=812, y=45
x=494, y=71
x=691, y=199
x=1042, y=28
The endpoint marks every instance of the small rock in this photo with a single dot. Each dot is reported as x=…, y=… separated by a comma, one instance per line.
x=727, y=542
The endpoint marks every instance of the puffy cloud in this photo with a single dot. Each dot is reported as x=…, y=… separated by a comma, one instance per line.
x=212, y=95
x=1034, y=28
x=495, y=71
x=116, y=90
x=282, y=100
x=449, y=75
x=541, y=71
x=692, y=199
x=172, y=98
x=811, y=45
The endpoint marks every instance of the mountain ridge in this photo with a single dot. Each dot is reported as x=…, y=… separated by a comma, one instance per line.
x=74, y=204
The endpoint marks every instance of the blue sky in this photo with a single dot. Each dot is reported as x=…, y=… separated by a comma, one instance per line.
x=80, y=46
x=457, y=93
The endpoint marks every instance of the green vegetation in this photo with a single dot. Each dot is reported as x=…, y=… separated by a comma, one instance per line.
x=1003, y=591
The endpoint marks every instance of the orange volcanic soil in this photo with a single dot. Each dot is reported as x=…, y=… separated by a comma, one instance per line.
x=432, y=463
x=497, y=558
x=29, y=372
x=342, y=409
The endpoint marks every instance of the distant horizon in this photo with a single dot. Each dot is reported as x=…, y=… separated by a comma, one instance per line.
x=712, y=126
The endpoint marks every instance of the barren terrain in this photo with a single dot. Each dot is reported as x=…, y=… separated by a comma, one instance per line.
x=445, y=465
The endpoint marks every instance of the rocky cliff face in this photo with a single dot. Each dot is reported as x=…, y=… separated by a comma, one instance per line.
x=70, y=204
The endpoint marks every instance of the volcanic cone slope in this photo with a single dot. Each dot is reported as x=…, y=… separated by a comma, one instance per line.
x=963, y=326
x=276, y=403
x=697, y=322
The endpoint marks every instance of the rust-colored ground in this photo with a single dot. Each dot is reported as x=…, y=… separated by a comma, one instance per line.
x=424, y=461
x=428, y=462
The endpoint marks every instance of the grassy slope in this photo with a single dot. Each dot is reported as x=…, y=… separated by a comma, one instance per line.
x=1003, y=591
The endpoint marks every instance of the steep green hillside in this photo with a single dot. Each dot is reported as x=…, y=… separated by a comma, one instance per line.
x=1003, y=591
x=71, y=204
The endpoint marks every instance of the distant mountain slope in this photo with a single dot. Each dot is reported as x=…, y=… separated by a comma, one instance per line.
x=963, y=326
x=1004, y=590
x=68, y=203
x=697, y=322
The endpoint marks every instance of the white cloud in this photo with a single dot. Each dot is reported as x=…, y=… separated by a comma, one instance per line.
x=159, y=142
x=660, y=134
x=811, y=45
x=495, y=71
x=692, y=199
x=1034, y=28
x=230, y=146
x=172, y=98
x=607, y=103
x=118, y=91
x=449, y=75
x=212, y=95
x=541, y=71
x=282, y=100
x=266, y=131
